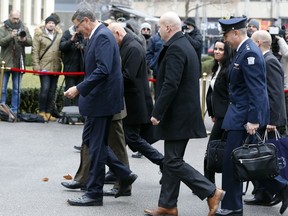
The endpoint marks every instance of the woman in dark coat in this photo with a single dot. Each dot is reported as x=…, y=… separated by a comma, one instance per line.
x=217, y=96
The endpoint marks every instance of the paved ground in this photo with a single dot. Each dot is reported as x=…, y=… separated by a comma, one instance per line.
x=30, y=152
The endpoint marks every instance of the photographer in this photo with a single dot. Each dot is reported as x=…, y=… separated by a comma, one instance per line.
x=194, y=36
x=279, y=48
x=72, y=47
x=14, y=37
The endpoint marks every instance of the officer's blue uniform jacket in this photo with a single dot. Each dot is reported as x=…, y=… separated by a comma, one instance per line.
x=247, y=89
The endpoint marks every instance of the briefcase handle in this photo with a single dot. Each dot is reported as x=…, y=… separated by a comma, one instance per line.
x=277, y=135
x=250, y=136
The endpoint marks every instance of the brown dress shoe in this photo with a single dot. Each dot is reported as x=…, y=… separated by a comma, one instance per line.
x=162, y=211
x=213, y=202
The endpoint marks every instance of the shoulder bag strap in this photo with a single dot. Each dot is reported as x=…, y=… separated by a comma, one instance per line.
x=48, y=47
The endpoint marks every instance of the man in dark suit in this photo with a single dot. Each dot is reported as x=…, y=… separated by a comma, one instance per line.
x=177, y=117
x=137, y=95
x=275, y=87
x=248, y=110
x=101, y=96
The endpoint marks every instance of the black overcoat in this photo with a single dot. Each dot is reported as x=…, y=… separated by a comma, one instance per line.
x=177, y=103
x=137, y=94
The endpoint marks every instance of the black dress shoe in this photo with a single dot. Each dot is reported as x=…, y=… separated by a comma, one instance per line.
x=255, y=201
x=77, y=148
x=73, y=185
x=137, y=155
x=223, y=212
x=113, y=192
x=110, y=178
x=125, y=183
x=284, y=198
x=275, y=200
x=85, y=201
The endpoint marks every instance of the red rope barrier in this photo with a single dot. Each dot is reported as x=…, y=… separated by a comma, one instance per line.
x=56, y=73
x=46, y=72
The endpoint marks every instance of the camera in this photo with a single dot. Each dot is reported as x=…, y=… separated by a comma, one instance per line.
x=273, y=31
x=184, y=27
x=79, y=41
x=21, y=34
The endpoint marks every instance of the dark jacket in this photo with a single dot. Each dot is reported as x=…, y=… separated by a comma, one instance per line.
x=154, y=47
x=196, y=39
x=247, y=89
x=137, y=95
x=101, y=92
x=177, y=103
x=72, y=55
x=218, y=99
x=275, y=86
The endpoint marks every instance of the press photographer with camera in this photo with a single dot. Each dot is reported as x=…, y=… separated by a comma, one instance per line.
x=280, y=50
x=14, y=37
x=194, y=36
x=72, y=50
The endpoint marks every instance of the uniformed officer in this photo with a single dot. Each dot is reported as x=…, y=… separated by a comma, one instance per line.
x=248, y=110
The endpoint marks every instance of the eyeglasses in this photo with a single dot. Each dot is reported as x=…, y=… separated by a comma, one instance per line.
x=146, y=29
x=77, y=26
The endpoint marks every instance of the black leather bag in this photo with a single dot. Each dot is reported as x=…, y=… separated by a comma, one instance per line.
x=256, y=161
x=215, y=151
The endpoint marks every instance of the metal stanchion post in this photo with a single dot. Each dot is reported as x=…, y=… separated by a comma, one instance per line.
x=203, y=93
x=1, y=77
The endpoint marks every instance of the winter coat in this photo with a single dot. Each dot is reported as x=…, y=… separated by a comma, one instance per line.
x=177, y=103
x=51, y=61
x=137, y=95
x=7, y=43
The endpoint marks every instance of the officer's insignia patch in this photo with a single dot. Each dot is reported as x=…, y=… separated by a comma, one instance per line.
x=251, y=60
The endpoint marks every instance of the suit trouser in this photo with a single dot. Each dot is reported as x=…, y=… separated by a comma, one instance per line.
x=120, y=169
x=233, y=187
x=137, y=143
x=175, y=170
x=117, y=143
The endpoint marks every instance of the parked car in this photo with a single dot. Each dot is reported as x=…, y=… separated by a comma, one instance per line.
x=210, y=51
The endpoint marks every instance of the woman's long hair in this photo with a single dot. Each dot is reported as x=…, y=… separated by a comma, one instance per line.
x=226, y=59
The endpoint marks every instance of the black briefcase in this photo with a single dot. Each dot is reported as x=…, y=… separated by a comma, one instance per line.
x=255, y=161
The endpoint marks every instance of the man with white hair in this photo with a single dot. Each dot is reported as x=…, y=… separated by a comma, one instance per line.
x=177, y=118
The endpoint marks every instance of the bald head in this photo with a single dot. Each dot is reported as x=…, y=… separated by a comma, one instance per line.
x=118, y=31
x=263, y=39
x=170, y=24
x=14, y=16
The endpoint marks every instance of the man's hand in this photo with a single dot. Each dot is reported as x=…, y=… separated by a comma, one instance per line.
x=71, y=92
x=251, y=128
x=271, y=128
x=14, y=32
x=154, y=121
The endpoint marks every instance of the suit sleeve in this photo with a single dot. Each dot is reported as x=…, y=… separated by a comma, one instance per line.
x=103, y=61
x=275, y=86
x=255, y=79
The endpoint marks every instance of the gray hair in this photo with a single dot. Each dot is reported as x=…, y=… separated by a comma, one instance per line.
x=84, y=12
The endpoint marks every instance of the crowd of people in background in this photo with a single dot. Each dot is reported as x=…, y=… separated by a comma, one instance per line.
x=245, y=95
